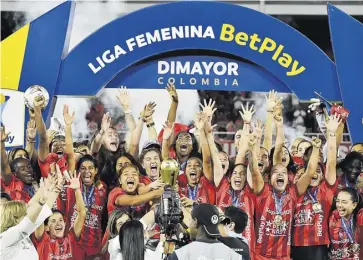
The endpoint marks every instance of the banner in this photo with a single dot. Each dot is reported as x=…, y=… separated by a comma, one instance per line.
x=199, y=72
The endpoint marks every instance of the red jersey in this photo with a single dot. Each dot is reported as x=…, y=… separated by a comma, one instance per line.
x=274, y=241
x=137, y=211
x=310, y=228
x=60, y=248
x=223, y=186
x=15, y=189
x=145, y=180
x=95, y=200
x=340, y=246
x=52, y=158
x=245, y=200
x=204, y=192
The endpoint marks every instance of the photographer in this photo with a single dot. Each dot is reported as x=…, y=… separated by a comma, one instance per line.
x=232, y=223
x=205, y=220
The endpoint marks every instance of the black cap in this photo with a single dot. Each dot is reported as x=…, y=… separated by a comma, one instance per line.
x=207, y=216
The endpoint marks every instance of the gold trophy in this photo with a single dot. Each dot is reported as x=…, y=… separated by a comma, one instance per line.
x=169, y=172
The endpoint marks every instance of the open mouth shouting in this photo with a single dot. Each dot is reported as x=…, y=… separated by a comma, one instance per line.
x=87, y=178
x=280, y=181
x=183, y=147
x=130, y=183
x=154, y=169
x=315, y=178
x=193, y=175
x=260, y=166
x=59, y=230
x=238, y=182
x=113, y=145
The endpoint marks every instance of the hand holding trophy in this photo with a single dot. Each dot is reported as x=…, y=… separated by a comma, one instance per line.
x=36, y=96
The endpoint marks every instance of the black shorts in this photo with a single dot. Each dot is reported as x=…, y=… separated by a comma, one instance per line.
x=309, y=252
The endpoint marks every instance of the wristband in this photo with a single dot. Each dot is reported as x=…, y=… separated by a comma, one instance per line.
x=245, y=122
x=270, y=111
x=31, y=141
x=101, y=132
x=332, y=135
x=150, y=125
x=128, y=111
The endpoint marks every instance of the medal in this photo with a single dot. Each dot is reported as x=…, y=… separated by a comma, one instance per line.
x=88, y=200
x=317, y=208
x=278, y=220
x=278, y=205
x=235, y=199
x=192, y=193
x=354, y=248
x=348, y=228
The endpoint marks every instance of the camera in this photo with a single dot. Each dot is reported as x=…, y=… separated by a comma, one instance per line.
x=169, y=214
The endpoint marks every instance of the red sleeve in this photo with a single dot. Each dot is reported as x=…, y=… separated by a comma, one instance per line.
x=182, y=180
x=211, y=189
x=360, y=218
x=114, y=194
x=79, y=251
x=265, y=192
x=145, y=180
x=292, y=190
x=52, y=158
x=329, y=190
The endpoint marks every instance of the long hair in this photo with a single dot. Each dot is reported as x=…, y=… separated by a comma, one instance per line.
x=111, y=229
x=194, y=142
x=131, y=238
x=356, y=198
x=88, y=158
x=12, y=212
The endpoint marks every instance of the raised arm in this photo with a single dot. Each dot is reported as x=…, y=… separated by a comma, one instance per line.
x=68, y=120
x=134, y=200
x=304, y=181
x=5, y=168
x=31, y=133
x=246, y=115
x=332, y=128
x=124, y=99
x=257, y=179
x=272, y=102
x=43, y=149
x=147, y=116
x=135, y=140
x=174, y=102
x=97, y=141
x=75, y=185
x=54, y=185
x=280, y=139
x=168, y=132
x=200, y=121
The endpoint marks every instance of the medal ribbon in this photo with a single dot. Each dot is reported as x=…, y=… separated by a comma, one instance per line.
x=279, y=202
x=235, y=199
x=192, y=193
x=88, y=200
x=346, y=181
x=313, y=196
x=348, y=228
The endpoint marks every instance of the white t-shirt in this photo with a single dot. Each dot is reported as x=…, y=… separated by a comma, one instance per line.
x=15, y=243
x=115, y=251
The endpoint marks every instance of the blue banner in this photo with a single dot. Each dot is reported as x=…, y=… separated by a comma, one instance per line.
x=199, y=72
